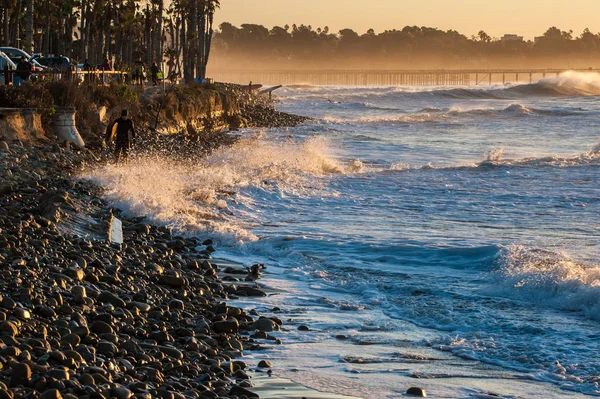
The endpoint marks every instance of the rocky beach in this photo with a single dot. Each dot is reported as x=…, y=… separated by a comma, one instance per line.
x=84, y=315
x=86, y=318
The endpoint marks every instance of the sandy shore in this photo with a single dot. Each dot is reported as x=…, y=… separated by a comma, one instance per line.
x=279, y=388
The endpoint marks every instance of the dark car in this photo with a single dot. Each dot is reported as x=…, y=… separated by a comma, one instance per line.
x=61, y=64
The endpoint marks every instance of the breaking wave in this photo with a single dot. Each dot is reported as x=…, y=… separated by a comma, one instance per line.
x=192, y=196
x=494, y=159
x=567, y=84
x=548, y=279
x=432, y=115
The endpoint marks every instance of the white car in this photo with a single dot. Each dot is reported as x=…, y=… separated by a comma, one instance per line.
x=4, y=61
x=15, y=55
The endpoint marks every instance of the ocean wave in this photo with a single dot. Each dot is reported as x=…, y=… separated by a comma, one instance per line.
x=414, y=118
x=548, y=279
x=455, y=113
x=567, y=84
x=492, y=304
x=543, y=278
x=494, y=159
x=514, y=109
x=192, y=196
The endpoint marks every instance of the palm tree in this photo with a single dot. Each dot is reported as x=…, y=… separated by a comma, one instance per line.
x=208, y=8
x=28, y=47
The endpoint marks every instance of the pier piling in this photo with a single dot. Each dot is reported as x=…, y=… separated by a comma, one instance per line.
x=383, y=78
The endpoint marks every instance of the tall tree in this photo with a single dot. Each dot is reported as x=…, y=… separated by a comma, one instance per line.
x=205, y=33
x=28, y=45
x=158, y=34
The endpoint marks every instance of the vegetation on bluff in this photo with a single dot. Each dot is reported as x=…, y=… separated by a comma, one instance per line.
x=180, y=30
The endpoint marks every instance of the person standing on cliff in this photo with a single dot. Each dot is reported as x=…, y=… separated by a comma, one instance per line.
x=23, y=70
x=139, y=71
x=106, y=67
x=154, y=70
x=119, y=132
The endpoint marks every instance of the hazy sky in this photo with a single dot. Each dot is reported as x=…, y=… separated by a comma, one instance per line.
x=528, y=18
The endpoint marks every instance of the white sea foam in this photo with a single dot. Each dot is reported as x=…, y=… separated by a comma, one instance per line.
x=574, y=83
x=192, y=195
x=494, y=154
x=415, y=118
x=549, y=279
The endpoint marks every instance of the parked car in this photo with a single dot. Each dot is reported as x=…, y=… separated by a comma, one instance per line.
x=15, y=55
x=4, y=61
x=57, y=63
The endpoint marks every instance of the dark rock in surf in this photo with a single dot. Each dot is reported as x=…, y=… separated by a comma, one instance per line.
x=239, y=391
x=415, y=391
x=265, y=364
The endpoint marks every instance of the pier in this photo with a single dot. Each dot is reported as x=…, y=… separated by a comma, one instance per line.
x=467, y=77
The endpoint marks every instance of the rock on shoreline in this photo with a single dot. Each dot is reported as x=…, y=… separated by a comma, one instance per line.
x=80, y=317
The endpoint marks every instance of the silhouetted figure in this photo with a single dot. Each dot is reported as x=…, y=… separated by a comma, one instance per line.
x=139, y=71
x=87, y=67
x=106, y=66
x=154, y=71
x=23, y=70
x=119, y=132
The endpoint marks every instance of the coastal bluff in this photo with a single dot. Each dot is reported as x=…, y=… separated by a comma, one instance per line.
x=23, y=124
x=29, y=113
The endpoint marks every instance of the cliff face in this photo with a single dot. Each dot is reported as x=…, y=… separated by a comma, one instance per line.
x=191, y=109
x=24, y=124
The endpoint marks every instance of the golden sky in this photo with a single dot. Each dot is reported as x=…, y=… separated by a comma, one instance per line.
x=527, y=18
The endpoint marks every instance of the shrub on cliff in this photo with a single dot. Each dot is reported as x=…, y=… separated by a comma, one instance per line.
x=88, y=99
x=34, y=95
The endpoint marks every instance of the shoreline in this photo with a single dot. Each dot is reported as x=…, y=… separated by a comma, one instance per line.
x=35, y=171
x=82, y=316
x=136, y=316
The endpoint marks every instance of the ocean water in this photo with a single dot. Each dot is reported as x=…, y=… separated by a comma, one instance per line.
x=442, y=237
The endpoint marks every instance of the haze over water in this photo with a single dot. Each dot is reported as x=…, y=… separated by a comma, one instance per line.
x=450, y=235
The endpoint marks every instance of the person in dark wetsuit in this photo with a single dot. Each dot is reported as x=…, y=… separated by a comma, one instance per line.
x=119, y=131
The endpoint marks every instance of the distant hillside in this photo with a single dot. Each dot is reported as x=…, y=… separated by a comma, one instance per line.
x=302, y=47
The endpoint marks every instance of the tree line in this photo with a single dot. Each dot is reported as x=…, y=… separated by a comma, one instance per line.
x=179, y=31
x=302, y=46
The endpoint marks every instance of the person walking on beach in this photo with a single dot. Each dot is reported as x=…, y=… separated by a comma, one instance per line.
x=119, y=132
x=154, y=71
